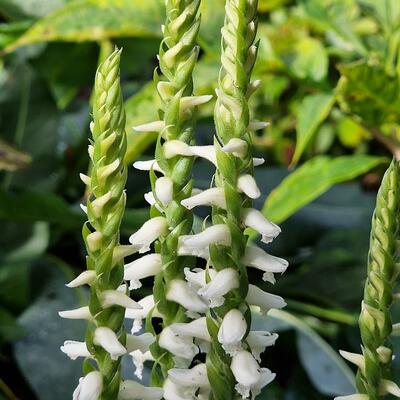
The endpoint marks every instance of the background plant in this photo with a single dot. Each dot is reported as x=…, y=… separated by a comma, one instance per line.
x=330, y=89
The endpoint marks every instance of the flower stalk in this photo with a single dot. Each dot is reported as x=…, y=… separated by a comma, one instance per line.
x=374, y=364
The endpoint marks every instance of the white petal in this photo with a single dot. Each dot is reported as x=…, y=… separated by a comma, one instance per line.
x=180, y=292
x=195, y=377
x=246, y=371
x=231, y=332
x=238, y=147
x=172, y=391
x=155, y=126
x=247, y=185
x=253, y=218
x=257, y=161
x=389, y=387
x=209, y=197
x=139, y=342
x=180, y=346
x=265, y=301
x=150, y=231
x=141, y=268
x=89, y=388
x=259, y=340
x=257, y=258
x=266, y=377
x=354, y=358
x=222, y=283
x=85, y=179
x=138, y=315
x=78, y=313
x=197, y=278
x=196, y=328
x=206, y=152
x=353, y=397
x=258, y=125
x=193, y=101
x=131, y=390
x=164, y=189
x=139, y=359
x=174, y=148
x=86, y=277
x=107, y=339
x=75, y=349
x=147, y=165
x=111, y=298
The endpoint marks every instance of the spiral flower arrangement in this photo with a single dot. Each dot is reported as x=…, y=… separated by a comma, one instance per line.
x=374, y=375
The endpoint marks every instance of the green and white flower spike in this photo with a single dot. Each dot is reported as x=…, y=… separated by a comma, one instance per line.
x=374, y=364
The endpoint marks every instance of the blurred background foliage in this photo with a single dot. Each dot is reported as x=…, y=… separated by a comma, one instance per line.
x=331, y=82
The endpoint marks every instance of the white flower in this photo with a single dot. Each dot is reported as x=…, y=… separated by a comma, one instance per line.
x=180, y=292
x=258, y=125
x=265, y=301
x=209, y=197
x=353, y=397
x=253, y=218
x=174, y=148
x=222, y=283
x=206, y=152
x=193, y=101
x=78, y=313
x=259, y=340
x=197, y=278
x=141, y=268
x=85, y=278
x=249, y=376
x=216, y=234
x=257, y=258
x=139, y=342
x=164, y=189
x=139, y=315
x=194, y=377
x=107, y=339
x=238, y=147
x=155, y=126
x=179, y=346
x=110, y=298
x=196, y=328
x=172, y=391
x=89, y=387
x=147, y=166
x=354, y=358
x=131, y=390
x=150, y=231
x=257, y=161
x=231, y=332
x=139, y=358
x=247, y=185
x=75, y=349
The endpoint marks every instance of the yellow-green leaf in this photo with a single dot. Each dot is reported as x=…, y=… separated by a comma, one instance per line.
x=311, y=180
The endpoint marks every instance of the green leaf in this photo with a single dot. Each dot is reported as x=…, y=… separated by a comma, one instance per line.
x=312, y=179
x=312, y=111
x=311, y=60
x=369, y=93
x=9, y=328
x=386, y=12
x=96, y=20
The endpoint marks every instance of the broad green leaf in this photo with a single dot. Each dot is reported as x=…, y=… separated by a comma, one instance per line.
x=96, y=20
x=312, y=111
x=312, y=179
x=369, y=93
x=311, y=60
x=29, y=8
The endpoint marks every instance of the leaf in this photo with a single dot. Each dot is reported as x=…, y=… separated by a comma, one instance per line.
x=17, y=9
x=312, y=111
x=387, y=12
x=312, y=179
x=9, y=328
x=369, y=93
x=325, y=368
x=96, y=20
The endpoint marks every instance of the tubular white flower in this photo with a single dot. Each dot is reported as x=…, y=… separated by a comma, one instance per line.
x=164, y=188
x=253, y=218
x=148, y=265
x=150, y=231
x=139, y=342
x=354, y=358
x=193, y=377
x=259, y=340
x=147, y=165
x=139, y=358
x=139, y=315
x=222, y=283
x=78, y=313
x=231, y=332
x=155, y=126
x=247, y=185
x=180, y=292
x=265, y=301
x=258, y=125
x=172, y=391
x=216, y=234
x=257, y=161
x=74, y=349
x=248, y=375
x=107, y=339
x=209, y=197
x=206, y=152
x=179, y=346
x=389, y=387
x=196, y=328
x=85, y=179
x=257, y=258
x=131, y=390
x=89, y=387
x=238, y=147
x=174, y=148
x=110, y=298
x=194, y=101
x=197, y=278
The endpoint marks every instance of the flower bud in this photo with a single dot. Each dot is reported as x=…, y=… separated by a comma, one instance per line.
x=247, y=185
x=155, y=126
x=78, y=313
x=253, y=218
x=150, y=231
x=232, y=331
x=164, y=189
x=89, y=387
x=107, y=339
x=238, y=147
